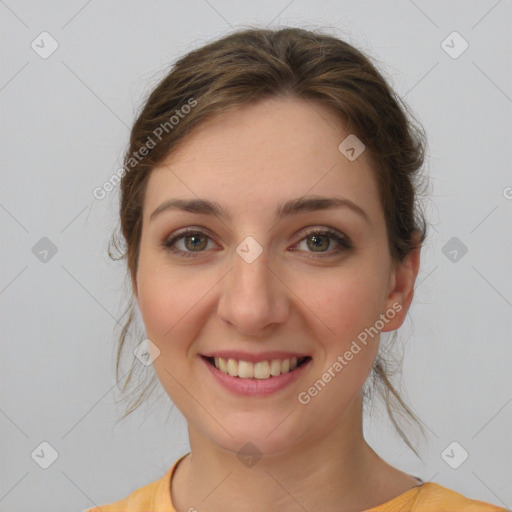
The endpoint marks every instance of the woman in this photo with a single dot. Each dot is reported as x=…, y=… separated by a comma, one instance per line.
x=272, y=233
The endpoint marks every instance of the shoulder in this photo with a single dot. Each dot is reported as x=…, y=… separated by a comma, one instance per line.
x=431, y=496
x=154, y=496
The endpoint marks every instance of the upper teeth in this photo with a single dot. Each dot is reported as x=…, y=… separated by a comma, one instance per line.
x=259, y=370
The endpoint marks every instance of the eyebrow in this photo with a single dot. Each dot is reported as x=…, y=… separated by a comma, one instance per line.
x=291, y=207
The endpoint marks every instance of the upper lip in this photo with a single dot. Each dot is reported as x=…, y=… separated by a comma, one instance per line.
x=253, y=358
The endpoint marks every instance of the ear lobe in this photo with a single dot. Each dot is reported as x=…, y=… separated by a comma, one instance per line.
x=402, y=289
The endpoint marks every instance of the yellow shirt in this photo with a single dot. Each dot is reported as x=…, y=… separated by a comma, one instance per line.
x=427, y=497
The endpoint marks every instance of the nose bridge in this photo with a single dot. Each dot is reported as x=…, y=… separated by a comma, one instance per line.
x=252, y=297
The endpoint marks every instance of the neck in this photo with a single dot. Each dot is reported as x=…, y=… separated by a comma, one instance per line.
x=338, y=471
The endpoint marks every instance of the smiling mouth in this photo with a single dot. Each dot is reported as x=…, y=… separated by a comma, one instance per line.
x=261, y=370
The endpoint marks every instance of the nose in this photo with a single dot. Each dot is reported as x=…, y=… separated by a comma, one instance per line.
x=253, y=298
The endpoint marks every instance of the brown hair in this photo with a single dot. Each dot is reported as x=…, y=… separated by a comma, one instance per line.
x=254, y=64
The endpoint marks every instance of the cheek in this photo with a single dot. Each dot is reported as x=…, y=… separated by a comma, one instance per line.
x=345, y=302
x=348, y=309
x=168, y=299
x=170, y=302
x=347, y=306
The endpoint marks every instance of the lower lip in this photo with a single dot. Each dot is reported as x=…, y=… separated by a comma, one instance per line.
x=256, y=387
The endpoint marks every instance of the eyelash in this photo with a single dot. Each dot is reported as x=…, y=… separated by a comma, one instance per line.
x=331, y=233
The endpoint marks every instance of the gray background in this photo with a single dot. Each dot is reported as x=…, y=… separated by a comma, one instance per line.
x=65, y=124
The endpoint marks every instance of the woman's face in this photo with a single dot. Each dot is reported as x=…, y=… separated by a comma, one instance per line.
x=258, y=280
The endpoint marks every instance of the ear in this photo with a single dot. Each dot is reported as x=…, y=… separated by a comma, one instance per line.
x=401, y=289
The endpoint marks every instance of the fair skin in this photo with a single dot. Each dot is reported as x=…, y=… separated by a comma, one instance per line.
x=293, y=297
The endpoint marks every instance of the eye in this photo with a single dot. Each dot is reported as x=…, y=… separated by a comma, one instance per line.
x=193, y=242
x=188, y=243
x=320, y=240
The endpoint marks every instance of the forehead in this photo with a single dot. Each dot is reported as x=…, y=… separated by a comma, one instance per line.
x=261, y=154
